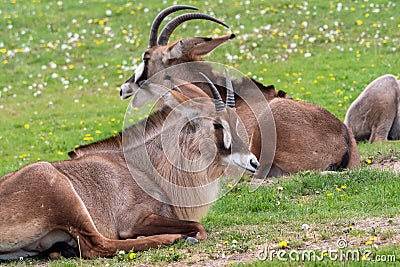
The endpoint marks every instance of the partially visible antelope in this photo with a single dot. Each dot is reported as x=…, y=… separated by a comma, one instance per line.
x=308, y=136
x=96, y=201
x=375, y=114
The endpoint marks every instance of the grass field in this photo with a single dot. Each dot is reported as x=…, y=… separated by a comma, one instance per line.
x=62, y=63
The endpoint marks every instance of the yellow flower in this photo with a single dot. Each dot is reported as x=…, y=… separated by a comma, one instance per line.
x=372, y=238
x=360, y=22
x=343, y=186
x=368, y=161
x=26, y=126
x=329, y=194
x=368, y=243
x=283, y=244
x=60, y=153
x=338, y=189
x=225, y=242
x=171, y=249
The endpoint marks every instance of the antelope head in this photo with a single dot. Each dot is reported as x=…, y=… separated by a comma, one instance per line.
x=161, y=55
x=230, y=145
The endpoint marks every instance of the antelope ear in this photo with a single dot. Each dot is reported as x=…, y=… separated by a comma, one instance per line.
x=173, y=98
x=227, y=135
x=195, y=46
x=188, y=89
x=210, y=44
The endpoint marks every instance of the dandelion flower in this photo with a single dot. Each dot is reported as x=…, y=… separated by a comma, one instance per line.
x=132, y=256
x=283, y=244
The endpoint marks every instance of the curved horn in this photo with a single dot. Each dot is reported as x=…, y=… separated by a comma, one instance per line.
x=219, y=105
x=171, y=26
x=159, y=19
x=230, y=96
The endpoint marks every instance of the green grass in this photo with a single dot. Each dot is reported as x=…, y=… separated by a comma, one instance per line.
x=62, y=65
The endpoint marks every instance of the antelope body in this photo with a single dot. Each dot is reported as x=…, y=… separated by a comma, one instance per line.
x=307, y=136
x=98, y=201
x=375, y=114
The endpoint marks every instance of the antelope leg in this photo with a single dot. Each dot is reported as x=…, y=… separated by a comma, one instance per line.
x=99, y=246
x=155, y=224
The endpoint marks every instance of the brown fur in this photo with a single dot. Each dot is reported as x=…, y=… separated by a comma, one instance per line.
x=94, y=200
x=298, y=148
x=374, y=115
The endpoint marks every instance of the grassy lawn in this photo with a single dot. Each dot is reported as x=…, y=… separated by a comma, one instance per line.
x=62, y=63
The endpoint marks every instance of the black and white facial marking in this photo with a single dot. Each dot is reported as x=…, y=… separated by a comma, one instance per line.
x=137, y=79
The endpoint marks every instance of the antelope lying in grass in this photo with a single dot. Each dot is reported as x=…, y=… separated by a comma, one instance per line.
x=375, y=114
x=308, y=136
x=92, y=202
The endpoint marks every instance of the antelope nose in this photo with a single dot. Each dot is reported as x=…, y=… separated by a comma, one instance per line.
x=254, y=163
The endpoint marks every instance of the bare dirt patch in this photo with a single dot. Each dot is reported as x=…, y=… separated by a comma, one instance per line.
x=387, y=164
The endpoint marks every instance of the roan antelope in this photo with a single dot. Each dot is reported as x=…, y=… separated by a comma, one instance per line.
x=375, y=114
x=308, y=136
x=91, y=201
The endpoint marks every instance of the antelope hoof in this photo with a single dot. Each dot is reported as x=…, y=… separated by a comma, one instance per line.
x=191, y=240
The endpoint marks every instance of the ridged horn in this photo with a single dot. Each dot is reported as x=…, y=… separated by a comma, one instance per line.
x=159, y=19
x=219, y=104
x=171, y=26
x=230, y=96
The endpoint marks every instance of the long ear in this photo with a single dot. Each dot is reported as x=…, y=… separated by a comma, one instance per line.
x=188, y=89
x=227, y=135
x=173, y=98
x=196, y=46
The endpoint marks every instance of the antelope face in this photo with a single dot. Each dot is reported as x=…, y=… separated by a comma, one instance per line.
x=161, y=55
x=233, y=150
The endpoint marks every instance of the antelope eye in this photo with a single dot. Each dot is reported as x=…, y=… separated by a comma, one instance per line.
x=218, y=126
x=145, y=57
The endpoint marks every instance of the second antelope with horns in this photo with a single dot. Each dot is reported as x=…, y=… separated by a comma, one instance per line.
x=308, y=136
x=93, y=202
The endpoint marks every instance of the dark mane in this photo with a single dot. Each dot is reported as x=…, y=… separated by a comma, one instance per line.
x=134, y=132
x=113, y=143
